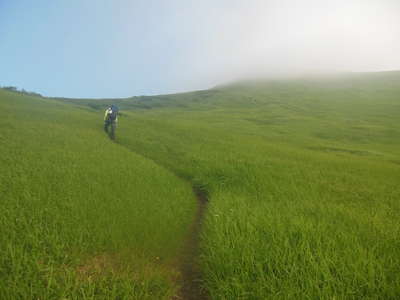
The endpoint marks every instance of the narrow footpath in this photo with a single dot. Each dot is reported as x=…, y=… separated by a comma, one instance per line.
x=190, y=281
x=191, y=277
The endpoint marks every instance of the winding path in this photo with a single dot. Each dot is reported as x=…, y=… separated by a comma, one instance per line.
x=191, y=277
x=190, y=281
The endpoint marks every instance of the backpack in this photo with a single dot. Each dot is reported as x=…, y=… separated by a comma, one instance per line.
x=114, y=112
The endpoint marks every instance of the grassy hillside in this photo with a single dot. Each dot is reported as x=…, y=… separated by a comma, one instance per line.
x=302, y=176
x=82, y=217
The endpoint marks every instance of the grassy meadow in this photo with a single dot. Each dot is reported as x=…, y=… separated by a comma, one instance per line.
x=302, y=177
x=82, y=217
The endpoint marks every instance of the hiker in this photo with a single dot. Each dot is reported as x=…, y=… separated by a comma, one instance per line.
x=110, y=119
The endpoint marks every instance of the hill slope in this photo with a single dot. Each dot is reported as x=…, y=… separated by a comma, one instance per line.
x=302, y=177
x=83, y=217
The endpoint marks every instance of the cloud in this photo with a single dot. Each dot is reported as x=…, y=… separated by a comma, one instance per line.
x=103, y=48
x=233, y=39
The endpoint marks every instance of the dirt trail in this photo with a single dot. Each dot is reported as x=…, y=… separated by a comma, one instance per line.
x=191, y=277
x=190, y=281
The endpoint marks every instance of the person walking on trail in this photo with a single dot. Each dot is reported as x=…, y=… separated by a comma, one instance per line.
x=110, y=120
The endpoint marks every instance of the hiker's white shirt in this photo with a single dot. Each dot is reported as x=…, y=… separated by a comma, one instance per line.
x=109, y=111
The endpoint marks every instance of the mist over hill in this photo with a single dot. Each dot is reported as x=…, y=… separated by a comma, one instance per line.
x=304, y=85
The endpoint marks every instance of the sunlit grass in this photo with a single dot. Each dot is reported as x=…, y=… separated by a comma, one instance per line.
x=302, y=177
x=303, y=183
x=83, y=217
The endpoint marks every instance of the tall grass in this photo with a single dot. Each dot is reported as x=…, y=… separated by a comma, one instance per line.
x=302, y=177
x=82, y=217
x=303, y=182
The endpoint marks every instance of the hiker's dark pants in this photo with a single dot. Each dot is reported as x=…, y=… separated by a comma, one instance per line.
x=107, y=124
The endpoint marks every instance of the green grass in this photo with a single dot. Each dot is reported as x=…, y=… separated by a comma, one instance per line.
x=302, y=176
x=82, y=217
x=303, y=181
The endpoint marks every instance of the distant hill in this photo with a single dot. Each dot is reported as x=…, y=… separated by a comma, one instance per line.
x=20, y=91
x=362, y=82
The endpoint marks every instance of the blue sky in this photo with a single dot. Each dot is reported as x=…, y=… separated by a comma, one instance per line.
x=121, y=48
